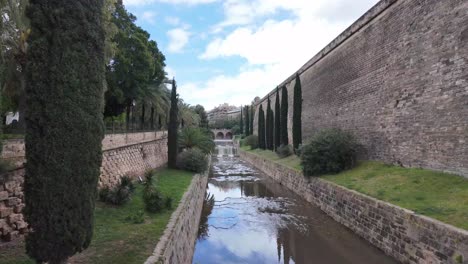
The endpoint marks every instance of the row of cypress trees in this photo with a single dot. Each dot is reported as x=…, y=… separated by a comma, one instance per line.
x=246, y=120
x=273, y=132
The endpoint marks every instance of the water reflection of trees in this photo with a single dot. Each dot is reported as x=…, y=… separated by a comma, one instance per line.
x=208, y=204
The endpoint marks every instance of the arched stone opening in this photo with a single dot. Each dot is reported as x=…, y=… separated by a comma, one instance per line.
x=228, y=135
x=220, y=135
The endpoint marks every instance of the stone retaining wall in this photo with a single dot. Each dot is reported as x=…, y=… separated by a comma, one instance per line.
x=122, y=155
x=398, y=80
x=400, y=233
x=11, y=204
x=132, y=160
x=177, y=244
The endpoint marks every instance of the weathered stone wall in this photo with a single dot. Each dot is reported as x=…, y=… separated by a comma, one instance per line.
x=11, y=205
x=177, y=244
x=123, y=154
x=400, y=233
x=398, y=80
x=132, y=160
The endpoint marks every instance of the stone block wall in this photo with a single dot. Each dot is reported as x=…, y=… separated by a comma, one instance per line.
x=398, y=80
x=400, y=233
x=132, y=160
x=123, y=154
x=11, y=205
x=177, y=244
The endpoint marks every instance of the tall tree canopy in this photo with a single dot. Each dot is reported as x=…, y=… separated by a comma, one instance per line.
x=284, y=116
x=64, y=126
x=277, y=120
x=247, y=120
x=135, y=72
x=269, y=126
x=261, y=128
x=297, y=114
x=172, y=145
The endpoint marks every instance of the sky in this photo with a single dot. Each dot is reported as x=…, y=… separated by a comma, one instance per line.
x=233, y=50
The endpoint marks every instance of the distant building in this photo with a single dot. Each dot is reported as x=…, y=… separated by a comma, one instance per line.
x=224, y=112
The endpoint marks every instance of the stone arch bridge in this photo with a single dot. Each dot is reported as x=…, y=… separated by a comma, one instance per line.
x=222, y=133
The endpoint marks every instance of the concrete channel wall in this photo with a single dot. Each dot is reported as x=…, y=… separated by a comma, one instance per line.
x=177, y=244
x=400, y=233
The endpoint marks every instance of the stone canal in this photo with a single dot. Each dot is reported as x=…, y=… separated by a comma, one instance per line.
x=249, y=218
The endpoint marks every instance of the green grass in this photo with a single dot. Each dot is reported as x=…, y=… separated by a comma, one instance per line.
x=292, y=161
x=117, y=240
x=438, y=195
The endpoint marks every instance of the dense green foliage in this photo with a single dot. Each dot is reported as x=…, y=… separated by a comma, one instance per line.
x=119, y=195
x=172, y=142
x=284, y=117
x=200, y=110
x=241, y=121
x=261, y=128
x=135, y=72
x=330, y=151
x=252, y=114
x=192, y=137
x=297, y=114
x=277, y=130
x=269, y=126
x=247, y=120
x=64, y=130
x=154, y=200
x=192, y=160
x=284, y=151
x=251, y=141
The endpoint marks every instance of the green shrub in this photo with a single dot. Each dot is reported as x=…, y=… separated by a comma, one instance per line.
x=120, y=195
x=168, y=202
x=192, y=160
x=126, y=181
x=330, y=151
x=251, y=141
x=153, y=200
x=284, y=151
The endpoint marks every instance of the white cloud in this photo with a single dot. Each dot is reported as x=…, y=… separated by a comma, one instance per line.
x=173, y=21
x=147, y=2
x=178, y=39
x=149, y=17
x=273, y=49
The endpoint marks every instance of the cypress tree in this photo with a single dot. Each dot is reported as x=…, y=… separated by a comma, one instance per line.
x=172, y=128
x=277, y=120
x=297, y=114
x=252, y=114
x=261, y=128
x=152, y=118
x=269, y=126
x=284, y=116
x=241, y=124
x=64, y=129
x=247, y=120
x=272, y=127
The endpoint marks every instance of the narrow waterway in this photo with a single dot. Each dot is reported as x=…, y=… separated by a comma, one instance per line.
x=249, y=218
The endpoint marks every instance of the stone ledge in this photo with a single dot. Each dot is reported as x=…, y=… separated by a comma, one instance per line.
x=177, y=244
x=400, y=233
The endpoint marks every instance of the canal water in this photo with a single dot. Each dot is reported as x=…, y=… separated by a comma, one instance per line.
x=249, y=218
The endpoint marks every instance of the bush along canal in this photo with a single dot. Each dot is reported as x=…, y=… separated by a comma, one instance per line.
x=249, y=218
